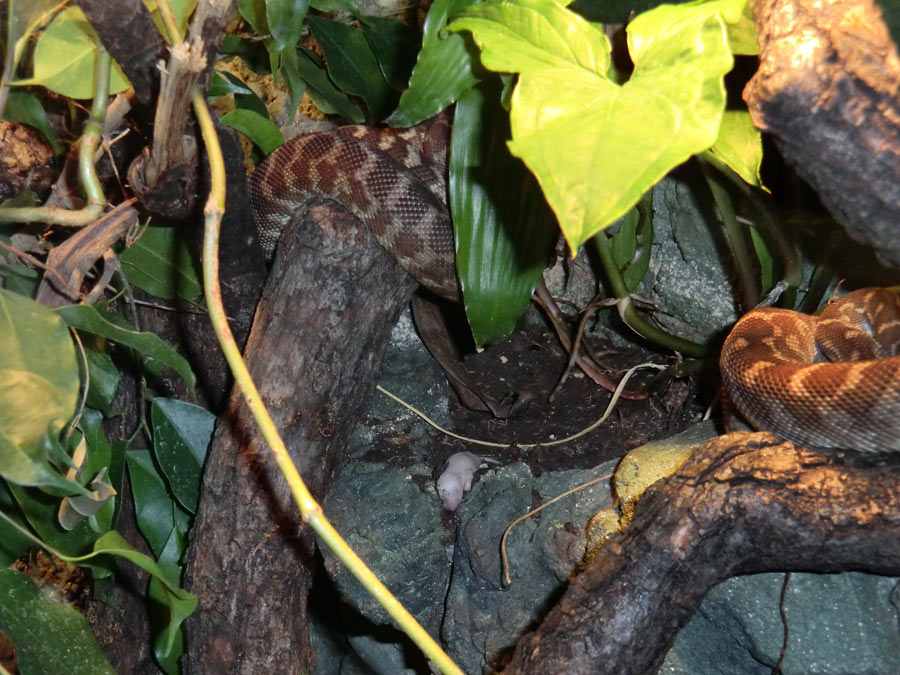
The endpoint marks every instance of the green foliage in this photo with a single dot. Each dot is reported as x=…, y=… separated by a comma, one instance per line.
x=156, y=353
x=504, y=230
x=37, y=364
x=24, y=107
x=49, y=637
x=630, y=135
x=64, y=58
x=160, y=263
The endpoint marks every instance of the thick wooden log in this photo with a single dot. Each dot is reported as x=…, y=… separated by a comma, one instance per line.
x=827, y=91
x=742, y=503
x=314, y=351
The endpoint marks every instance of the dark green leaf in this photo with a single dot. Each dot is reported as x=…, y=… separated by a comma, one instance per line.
x=328, y=98
x=156, y=352
x=48, y=637
x=442, y=73
x=348, y=6
x=254, y=13
x=637, y=269
x=395, y=45
x=285, y=19
x=160, y=262
x=24, y=107
x=181, y=433
x=104, y=379
x=156, y=512
x=504, y=230
x=351, y=64
x=290, y=72
x=13, y=544
x=264, y=134
x=251, y=52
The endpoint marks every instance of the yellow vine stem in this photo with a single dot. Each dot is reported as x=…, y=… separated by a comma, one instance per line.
x=310, y=511
x=90, y=140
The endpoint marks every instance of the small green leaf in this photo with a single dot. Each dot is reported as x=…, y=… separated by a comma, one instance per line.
x=104, y=379
x=260, y=130
x=180, y=602
x=13, y=543
x=160, y=263
x=328, y=98
x=24, y=107
x=156, y=352
x=38, y=390
x=351, y=64
x=223, y=83
x=252, y=52
x=64, y=58
x=442, y=72
x=290, y=72
x=48, y=636
x=739, y=146
x=254, y=13
x=181, y=434
x=285, y=19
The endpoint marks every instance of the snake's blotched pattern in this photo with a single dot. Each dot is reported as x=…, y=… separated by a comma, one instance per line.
x=390, y=179
x=831, y=381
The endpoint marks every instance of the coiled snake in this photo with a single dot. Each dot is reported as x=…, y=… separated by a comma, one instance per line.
x=829, y=382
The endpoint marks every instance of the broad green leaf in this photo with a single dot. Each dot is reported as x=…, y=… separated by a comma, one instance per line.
x=24, y=107
x=285, y=19
x=64, y=58
x=181, y=434
x=503, y=228
x=156, y=353
x=596, y=146
x=352, y=64
x=443, y=71
x=739, y=146
x=260, y=130
x=156, y=512
x=48, y=636
x=160, y=262
x=38, y=390
x=328, y=98
x=742, y=33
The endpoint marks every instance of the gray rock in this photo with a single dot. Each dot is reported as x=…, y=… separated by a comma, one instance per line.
x=838, y=624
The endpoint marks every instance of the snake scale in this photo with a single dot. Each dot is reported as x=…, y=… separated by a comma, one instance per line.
x=390, y=179
x=830, y=382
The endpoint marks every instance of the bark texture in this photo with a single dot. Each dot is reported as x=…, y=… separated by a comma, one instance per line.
x=742, y=503
x=314, y=351
x=827, y=90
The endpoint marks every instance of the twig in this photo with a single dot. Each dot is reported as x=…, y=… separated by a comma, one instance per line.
x=491, y=444
x=531, y=513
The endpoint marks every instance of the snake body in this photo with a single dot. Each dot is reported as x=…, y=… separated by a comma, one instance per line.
x=831, y=381
x=390, y=179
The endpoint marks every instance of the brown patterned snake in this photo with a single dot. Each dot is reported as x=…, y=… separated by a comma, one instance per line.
x=391, y=179
x=831, y=381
